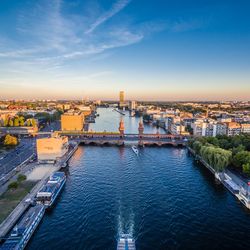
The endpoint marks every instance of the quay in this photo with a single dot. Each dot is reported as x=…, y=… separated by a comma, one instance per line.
x=14, y=216
x=231, y=181
x=120, y=112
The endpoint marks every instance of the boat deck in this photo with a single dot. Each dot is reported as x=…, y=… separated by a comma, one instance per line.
x=126, y=243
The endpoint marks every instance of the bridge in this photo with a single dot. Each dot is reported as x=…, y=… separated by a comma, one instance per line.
x=120, y=138
x=106, y=138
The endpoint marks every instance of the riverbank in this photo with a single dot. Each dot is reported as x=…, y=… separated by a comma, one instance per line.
x=24, y=198
x=235, y=184
x=10, y=199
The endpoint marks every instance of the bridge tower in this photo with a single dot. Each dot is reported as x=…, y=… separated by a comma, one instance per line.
x=140, y=130
x=121, y=127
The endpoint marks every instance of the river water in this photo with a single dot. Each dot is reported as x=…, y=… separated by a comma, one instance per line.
x=161, y=197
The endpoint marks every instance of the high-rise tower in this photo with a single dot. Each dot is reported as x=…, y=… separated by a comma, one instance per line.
x=121, y=99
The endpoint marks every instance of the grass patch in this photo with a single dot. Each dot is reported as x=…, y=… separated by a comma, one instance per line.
x=10, y=198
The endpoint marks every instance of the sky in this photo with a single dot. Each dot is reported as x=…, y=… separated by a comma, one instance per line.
x=162, y=50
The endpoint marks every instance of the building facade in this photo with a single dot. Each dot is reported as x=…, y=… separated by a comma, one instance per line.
x=50, y=149
x=72, y=121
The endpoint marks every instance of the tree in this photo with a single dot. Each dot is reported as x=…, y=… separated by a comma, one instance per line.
x=33, y=122
x=197, y=147
x=242, y=157
x=246, y=168
x=16, y=122
x=28, y=122
x=6, y=122
x=21, y=178
x=11, y=123
x=21, y=121
x=10, y=140
x=13, y=185
x=238, y=149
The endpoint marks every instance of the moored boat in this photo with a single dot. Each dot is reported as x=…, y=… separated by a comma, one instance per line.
x=24, y=229
x=49, y=192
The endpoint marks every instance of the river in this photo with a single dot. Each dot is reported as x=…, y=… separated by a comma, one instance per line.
x=161, y=197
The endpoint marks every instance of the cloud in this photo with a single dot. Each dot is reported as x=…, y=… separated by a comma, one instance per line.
x=49, y=36
x=117, y=7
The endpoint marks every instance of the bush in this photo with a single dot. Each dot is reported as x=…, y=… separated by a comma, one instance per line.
x=21, y=178
x=13, y=185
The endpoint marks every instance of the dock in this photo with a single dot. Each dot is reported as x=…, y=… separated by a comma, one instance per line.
x=14, y=216
x=120, y=112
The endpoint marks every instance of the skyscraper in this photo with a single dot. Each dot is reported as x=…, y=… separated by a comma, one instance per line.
x=121, y=96
x=121, y=101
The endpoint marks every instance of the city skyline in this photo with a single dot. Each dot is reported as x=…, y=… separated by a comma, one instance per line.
x=69, y=50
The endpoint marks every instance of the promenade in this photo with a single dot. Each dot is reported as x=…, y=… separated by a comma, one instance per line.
x=13, y=217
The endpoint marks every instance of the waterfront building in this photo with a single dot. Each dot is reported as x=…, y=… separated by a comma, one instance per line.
x=49, y=149
x=233, y=128
x=221, y=128
x=86, y=110
x=72, y=121
x=204, y=128
x=245, y=128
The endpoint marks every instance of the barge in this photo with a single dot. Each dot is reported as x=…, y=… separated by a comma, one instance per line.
x=49, y=192
x=22, y=232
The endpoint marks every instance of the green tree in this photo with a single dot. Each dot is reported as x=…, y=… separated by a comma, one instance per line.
x=21, y=178
x=242, y=157
x=197, y=147
x=13, y=185
x=246, y=168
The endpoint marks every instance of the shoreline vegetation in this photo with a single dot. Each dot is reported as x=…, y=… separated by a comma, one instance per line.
x=16, y=191
x=222, y=152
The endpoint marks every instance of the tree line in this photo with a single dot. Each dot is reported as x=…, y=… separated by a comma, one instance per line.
x=223, y=151
x=19, y=121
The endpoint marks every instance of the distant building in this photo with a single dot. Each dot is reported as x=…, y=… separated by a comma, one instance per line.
x=72, y=121
x=177, y=129
x=121, y=99
x=221, y=129
x=49, y=149
x=86, y=110
x=132, y=105
x=233, y=128
x=245, y=128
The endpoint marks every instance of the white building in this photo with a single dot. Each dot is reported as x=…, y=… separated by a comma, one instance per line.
x=50, y=149
x=245, y=128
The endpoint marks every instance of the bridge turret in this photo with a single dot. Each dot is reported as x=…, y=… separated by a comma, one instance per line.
x=121, y=127
x=141, y=127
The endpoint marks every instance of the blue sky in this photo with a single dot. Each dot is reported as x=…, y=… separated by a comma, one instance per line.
x=151, y=49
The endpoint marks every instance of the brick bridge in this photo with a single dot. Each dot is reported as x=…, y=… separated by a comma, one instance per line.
x=120, y=138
